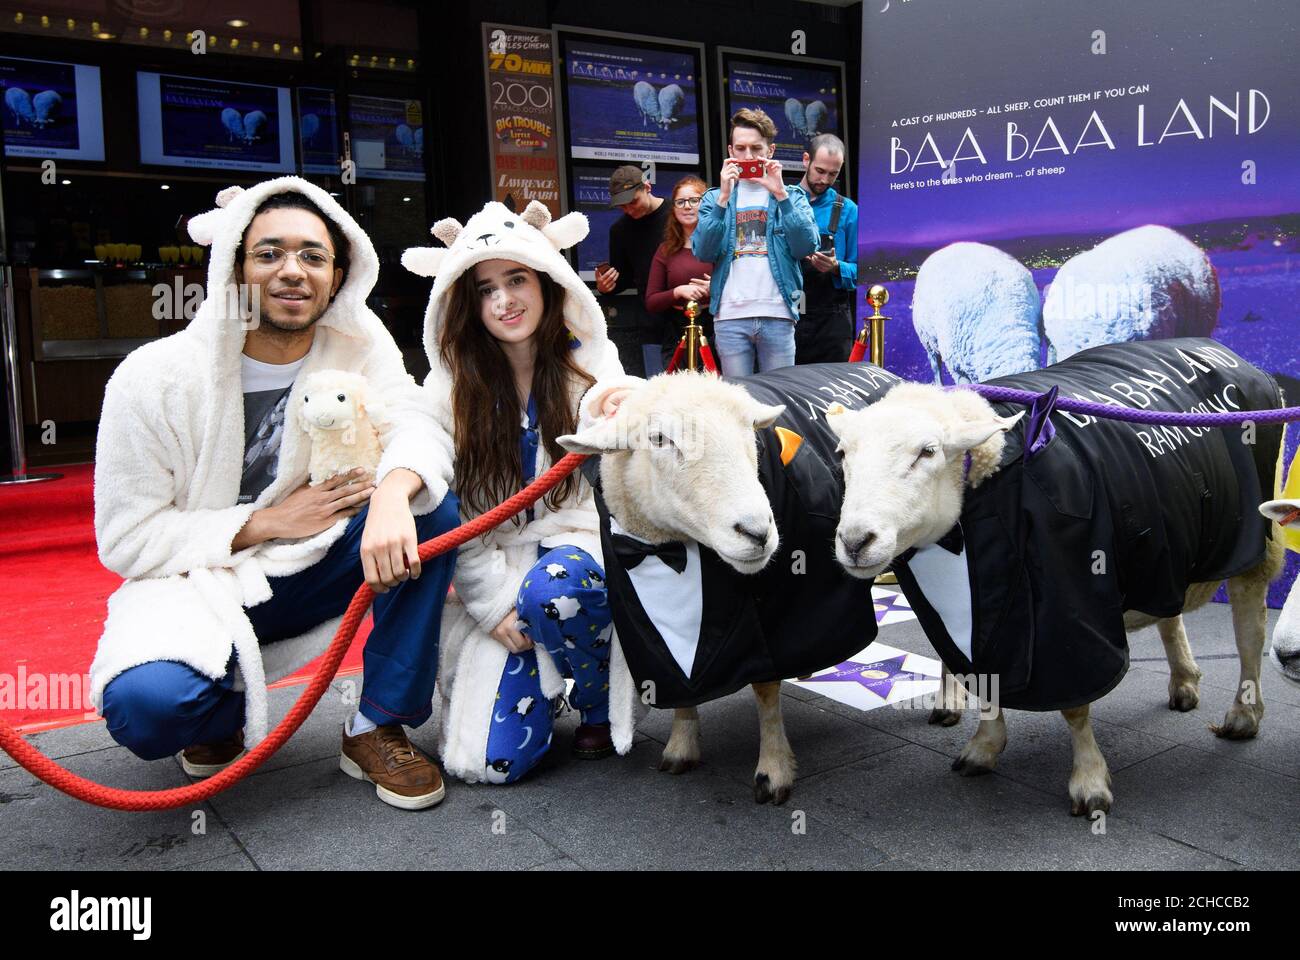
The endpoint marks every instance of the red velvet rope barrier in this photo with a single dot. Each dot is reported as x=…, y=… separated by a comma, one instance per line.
x=56, y=776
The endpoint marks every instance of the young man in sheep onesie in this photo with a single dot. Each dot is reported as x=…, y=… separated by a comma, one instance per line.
x=237, y=571
x=515, y=340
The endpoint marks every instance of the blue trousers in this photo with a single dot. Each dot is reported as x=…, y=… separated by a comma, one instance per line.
x=563, y=606
x=160, y=708
x=770, y=340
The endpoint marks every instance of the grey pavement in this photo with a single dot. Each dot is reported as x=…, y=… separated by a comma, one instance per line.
x=874, y=792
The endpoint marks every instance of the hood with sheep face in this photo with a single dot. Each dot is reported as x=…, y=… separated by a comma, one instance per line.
x=222, y=230
x=531, y=238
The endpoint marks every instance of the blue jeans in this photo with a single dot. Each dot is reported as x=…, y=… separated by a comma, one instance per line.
x=562, y=606
x=162, y=707
x=738, y=341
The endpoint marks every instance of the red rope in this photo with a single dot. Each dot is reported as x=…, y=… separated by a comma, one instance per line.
x=677, y=356
x=56, y=776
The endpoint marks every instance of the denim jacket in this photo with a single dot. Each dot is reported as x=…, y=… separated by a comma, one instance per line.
x=791, y=235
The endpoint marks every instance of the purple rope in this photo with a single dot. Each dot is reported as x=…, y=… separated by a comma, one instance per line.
x=1108, y=411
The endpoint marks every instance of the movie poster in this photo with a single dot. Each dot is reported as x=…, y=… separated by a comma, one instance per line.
x=219, y=123
x=1073, y=126
x=387, y=137
x=802, y=101
x=521, y=117
x=43, y=112
x=631, y=103
x=591, y=196
x=318, y=130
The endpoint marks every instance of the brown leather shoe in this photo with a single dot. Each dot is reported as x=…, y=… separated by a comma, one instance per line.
x=207, y=759
x=591, y=741
x=403, y=776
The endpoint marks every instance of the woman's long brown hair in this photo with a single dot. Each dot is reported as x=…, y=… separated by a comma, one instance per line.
x=484, y=403
x=674, y=234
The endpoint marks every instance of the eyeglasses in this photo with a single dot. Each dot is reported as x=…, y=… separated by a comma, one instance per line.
x=272, y=258
x=684, y=203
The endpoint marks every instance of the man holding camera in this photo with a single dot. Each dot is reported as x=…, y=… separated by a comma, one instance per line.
x=830, y=274
x=755, y=232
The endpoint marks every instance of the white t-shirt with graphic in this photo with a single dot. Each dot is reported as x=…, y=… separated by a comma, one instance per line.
x=266, y=389
x=751, y=289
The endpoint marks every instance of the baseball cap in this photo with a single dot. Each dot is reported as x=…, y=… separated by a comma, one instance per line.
x=624, y=183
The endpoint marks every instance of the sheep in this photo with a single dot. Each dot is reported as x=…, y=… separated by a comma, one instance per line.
x=343, y=424
x=19, y=102
x=931, y=481
x=712, y=489
x=671, y=99
x=233, y=122
x=1285, y=651
x=977, y=310
x=1143, y=284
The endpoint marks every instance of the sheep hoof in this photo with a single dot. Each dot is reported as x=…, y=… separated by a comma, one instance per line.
x=677, y=765
x=1240, y=723
x=1081, y=806
x=1184, y=698
x=944, y=718
x=969, y=768
x=764, y=792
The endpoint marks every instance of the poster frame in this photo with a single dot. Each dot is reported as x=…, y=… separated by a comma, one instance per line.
x=725, y=54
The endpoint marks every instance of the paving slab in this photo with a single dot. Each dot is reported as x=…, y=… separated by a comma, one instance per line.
x=43, y=829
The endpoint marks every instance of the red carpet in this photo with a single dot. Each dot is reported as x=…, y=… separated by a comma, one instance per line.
x=55, y=594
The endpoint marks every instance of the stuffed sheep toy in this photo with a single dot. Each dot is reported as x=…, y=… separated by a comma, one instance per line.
x=342, y=423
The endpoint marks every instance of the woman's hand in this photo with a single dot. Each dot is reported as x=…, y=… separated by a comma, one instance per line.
x=509, y=636
x=609, y=405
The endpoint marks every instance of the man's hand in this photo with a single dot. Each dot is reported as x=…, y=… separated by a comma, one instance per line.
x=605, y=281
x=771, y=179
x=509, y=636
x=728, y=178
x=823, y=262
x=307, y=511
x=389, y=544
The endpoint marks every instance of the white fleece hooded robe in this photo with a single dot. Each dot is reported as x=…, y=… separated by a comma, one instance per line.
x=489, y=569
x=169, y=460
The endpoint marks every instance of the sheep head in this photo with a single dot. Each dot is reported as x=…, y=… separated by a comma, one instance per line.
x=679, y=461
x=333, y=400
x=903, y=460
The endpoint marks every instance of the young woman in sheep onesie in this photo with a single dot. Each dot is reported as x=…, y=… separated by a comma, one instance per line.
x=515, y=340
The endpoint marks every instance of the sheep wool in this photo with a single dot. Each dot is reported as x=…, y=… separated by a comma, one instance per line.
x=1050, y=550
x=707, y=630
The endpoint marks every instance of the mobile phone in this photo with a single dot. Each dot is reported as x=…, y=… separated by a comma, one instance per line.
x=827, y=245
x=751, y=169
x=602, y=267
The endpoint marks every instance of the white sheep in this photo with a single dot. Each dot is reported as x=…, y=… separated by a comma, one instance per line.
x=343, y=424
x=1143, y=284
x=977, y=310
x=680, y=465
x=1285, y=651
x=910, y=460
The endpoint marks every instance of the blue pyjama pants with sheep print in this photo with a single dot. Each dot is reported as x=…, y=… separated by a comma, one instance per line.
x=562, y=606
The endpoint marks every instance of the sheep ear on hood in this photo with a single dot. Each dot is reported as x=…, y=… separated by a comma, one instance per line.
x=569, y=229
x=423, y=261
x=204, y=227
x=536, y=214
x=447, y=230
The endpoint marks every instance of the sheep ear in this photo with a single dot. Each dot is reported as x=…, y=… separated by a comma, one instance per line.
x=536, y=214
x=969, y=434
x=834, y=415
x=447, y=230
x=765, y=416
x=569, y=229
x=302, y=417
x=604, y=436
x=423, y=261
x=1279, y=509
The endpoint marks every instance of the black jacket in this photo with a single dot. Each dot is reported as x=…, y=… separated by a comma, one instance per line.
x=777, y=623
x=1107, y=517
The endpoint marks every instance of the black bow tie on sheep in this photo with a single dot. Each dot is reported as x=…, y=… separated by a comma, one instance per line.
x=631, y=552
